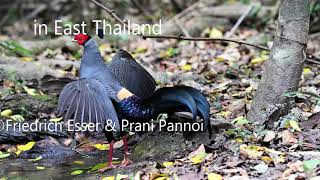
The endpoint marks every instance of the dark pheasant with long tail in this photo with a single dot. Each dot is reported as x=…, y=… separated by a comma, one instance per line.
x=122, y=89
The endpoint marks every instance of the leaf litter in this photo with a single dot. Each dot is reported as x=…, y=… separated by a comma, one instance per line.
x=228, y=75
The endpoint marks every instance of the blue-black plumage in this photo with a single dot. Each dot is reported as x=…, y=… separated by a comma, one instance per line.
x=122, y=89
x=166, y=100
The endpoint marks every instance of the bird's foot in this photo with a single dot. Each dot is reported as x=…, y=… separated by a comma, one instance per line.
x=125, y=162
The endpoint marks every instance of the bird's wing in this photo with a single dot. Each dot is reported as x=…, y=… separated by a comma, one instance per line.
x=87, y=101
x=132, y=75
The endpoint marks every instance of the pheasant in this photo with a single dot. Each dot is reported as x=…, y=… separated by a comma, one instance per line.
x=122, y=89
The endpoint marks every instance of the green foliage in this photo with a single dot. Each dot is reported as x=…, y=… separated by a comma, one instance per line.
x=255, y=10
x=245, y=1
x=16, y=48
x=5, y=92
x=4, y=155
x=240, y=121
x=172, y=52
x=12, y=76
x=67, y=23
x=76, y=172
x=238, y=132
x=98, y=166
x=302, y=94
x=45, y=98
x=310, y=165
x=77, y=55
x=315, y=8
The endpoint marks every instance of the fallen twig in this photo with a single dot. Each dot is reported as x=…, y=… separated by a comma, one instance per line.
x=185, y=32
x=235, y=27
x=305, y=153
x=185, y=11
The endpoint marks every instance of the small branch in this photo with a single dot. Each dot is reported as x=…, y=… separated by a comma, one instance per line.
x=40, y=8
x=82, y=154
x=112, y=14
x=296, y=41
x=205, y=39
x=313, y=61
x=185, y=32
x=118, y=19
x=185, y=11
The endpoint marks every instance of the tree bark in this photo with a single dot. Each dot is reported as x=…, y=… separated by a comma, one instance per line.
x=283, y=71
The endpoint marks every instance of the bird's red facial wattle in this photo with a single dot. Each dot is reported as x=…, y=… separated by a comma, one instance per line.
x=81, y=38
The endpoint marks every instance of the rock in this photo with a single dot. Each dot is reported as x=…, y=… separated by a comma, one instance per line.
x=159, y=146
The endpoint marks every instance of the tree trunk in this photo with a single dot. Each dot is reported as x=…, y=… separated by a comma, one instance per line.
x=283, y=71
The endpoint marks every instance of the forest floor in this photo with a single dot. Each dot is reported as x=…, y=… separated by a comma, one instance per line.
x=228, y=74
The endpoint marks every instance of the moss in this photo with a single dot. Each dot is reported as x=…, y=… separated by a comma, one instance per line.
x=143, y=149
x=155, y=148
x=46, y=98
x=30, y=106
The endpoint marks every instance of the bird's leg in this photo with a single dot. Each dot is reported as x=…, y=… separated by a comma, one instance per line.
x=126, y=161
x=110, y=154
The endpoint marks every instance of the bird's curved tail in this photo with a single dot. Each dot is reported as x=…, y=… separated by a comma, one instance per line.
x=181, y=99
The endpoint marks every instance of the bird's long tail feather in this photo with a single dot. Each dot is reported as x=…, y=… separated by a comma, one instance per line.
x=179, y=99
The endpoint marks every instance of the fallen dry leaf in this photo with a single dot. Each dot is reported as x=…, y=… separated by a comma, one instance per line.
x=214, y=176
x=251, y=151
x=269, y=136
x=288, y=138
